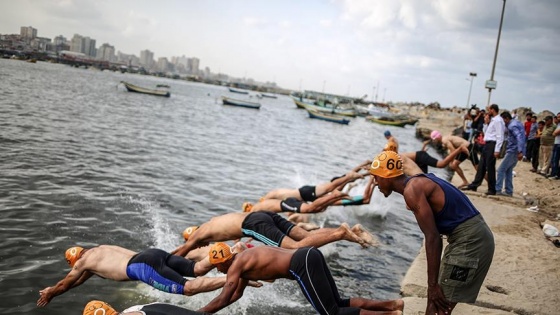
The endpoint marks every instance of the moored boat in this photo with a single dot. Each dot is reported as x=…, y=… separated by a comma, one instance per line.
x=233, y=90
x=138, y=89
x=240, y=103
x=392, y=121
x=327, y=117
x=268, y=95
x=350, y=112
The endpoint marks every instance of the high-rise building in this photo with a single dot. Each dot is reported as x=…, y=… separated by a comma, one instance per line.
x=193, y=65
x=59, y=40
x=77, y=44
x=89, y=46
x=163, y=64
x=128, y=59
x=28, y=32
x=106, y=52
x=146, y=58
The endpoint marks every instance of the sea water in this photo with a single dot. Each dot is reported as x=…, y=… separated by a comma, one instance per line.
x=83, y=162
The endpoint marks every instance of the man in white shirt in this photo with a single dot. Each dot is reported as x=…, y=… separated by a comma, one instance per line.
x=494, y=138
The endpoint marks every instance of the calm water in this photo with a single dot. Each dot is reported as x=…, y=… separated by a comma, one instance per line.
x=84, y=162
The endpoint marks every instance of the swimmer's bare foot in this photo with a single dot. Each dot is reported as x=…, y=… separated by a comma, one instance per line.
x=355, y=175
x=365, y=235
x=463, y=185
x=254, y=284
x=351, y=236
x=308, y=226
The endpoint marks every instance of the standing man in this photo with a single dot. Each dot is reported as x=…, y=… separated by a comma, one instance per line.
x=493, y=138
x=527, y=125
x=441, y=209
x=547, y=141
x=555, y=173
x=533, y=143
x=515, y=151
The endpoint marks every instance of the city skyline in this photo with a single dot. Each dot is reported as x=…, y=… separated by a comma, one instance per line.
x=402, y=50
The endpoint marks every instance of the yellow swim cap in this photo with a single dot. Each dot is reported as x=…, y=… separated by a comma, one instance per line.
x=72, y=254
x=247, y=207
x=219, y=253
x=387, y=164
x=391, y=146
x=99, y=308
x=189, y=231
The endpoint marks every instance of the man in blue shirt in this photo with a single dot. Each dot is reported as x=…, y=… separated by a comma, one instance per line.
x=515, y=151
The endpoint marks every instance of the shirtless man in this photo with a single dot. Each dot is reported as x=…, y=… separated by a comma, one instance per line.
x=305, y=265
x=311, y=193
x=269, y=228
x=391, y=139
x=102, y=308
x=294, y=205
x=452, y=143
x=155, y=267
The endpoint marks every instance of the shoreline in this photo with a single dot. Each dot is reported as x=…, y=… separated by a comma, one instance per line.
x=524, y=277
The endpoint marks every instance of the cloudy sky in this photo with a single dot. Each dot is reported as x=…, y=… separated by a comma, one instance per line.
x=414, y=50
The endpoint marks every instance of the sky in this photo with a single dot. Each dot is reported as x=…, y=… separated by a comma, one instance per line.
x=391, y=50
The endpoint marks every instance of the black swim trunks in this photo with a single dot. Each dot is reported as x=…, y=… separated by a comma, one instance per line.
x=471, y=156
x=309, y=269
x=161, y=270
x=267, y=227
x=423, y=160
x=291, y=205
x=307, y=193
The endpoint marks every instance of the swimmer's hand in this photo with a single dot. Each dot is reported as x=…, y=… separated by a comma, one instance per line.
x=45, y=298
x=254, y=284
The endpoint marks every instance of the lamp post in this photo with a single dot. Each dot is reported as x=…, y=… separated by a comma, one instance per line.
x=491, y=84
x=472, y=75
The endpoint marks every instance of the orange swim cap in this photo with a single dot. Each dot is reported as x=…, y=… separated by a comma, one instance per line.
x=391, y=146
x=247, y=207
x=219, y=253
x=189, y=231
x=72, y=254
x=99, y=308
x=387, y=164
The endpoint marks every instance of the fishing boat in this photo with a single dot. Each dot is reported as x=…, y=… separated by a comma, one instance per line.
x=163, y=86
x=350, y=112
x=392, y=121
x=139, y=89
x=268, y=95
x=328, y=117
x=241, y=103
x=233, y=90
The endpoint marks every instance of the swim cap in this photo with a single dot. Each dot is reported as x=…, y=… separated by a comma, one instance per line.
x=189, y=231
x=72, y=254
x=387, y=164
x=247, y=207
x=435, y=134
x=219, y=253
x=387, y=133
x=99, y=308
x=390, y=146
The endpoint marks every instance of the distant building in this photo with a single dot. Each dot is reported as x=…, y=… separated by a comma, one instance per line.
x=106, y=52
x=163, y=65
x=39, y=43
x=83, y=44
x=193, y=65
x=28, y=32
x=147, y=59
x=59, y=40
x=128, y=59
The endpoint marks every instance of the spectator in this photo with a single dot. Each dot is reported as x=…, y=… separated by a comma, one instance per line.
x=556, y=152
x=531, y=151
x=527, y=125
x=467, y=127
x=514, y=152
x=493, y=137
x=547, y=141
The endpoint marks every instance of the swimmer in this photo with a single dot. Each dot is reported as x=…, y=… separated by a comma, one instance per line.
x=451, y=143
x=153, y=266
x=305, y=265
x=294, y=205
x=267, y=227
x=391, y=140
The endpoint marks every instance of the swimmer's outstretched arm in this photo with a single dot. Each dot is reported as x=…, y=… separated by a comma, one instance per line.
x=74, y=278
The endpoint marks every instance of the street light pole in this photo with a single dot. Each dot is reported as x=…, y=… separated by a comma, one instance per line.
x=472, y=75
x=491, y=84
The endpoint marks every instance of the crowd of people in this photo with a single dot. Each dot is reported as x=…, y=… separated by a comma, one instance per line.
x=291, y=251
x=490, y=135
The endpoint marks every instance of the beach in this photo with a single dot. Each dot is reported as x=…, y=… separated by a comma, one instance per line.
x=524, y=277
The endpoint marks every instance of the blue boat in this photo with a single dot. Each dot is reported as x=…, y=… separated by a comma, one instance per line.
x=240, y=103
x=328, y=117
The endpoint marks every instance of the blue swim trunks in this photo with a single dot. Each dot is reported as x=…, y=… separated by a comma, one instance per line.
x=161, y=270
